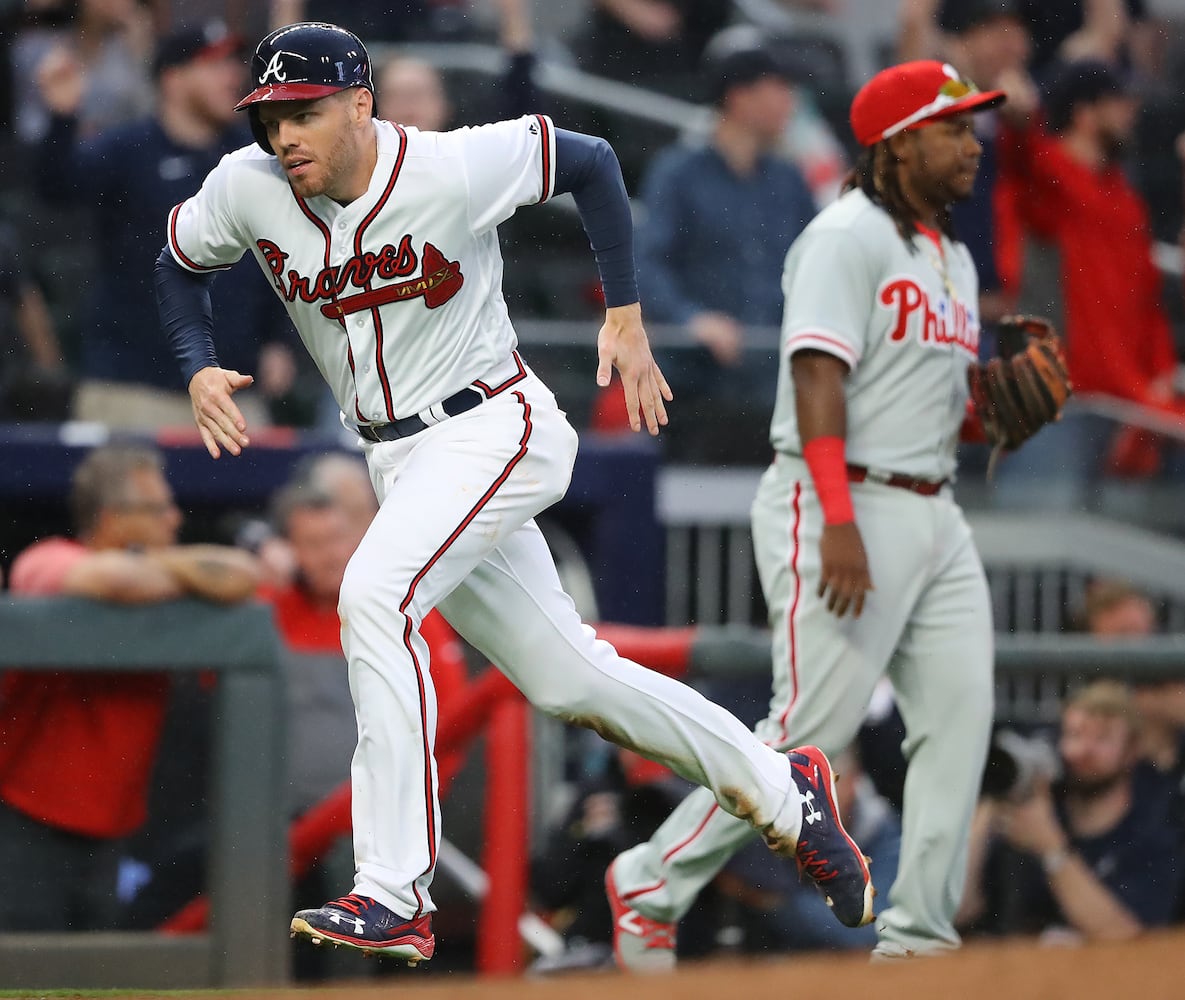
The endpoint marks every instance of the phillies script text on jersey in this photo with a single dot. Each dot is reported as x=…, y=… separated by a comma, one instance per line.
x=936, y=327
x=438, y=282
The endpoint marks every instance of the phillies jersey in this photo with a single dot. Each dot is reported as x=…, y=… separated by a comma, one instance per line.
x=903, y=317
x=397, y=296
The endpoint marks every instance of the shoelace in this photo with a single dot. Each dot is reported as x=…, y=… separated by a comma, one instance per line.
x=819, y=869
x=654, y=933
x=353, y=904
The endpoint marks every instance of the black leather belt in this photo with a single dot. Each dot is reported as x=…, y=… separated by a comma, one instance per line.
x=454, y=406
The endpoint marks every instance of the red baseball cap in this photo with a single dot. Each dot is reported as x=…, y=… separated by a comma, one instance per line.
x=914, y=94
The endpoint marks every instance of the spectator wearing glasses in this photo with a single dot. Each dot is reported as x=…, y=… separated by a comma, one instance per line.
x=77, y=750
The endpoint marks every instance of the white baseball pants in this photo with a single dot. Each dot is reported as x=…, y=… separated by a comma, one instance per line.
x=455, y=531
x=927, y=624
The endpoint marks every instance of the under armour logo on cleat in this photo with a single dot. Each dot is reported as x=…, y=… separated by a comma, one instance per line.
x=813, y=815
x=337, y=918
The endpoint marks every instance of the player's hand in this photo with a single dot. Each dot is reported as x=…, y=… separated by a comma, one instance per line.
x=217, y=417
x=844, y=579
x=720, y=334
x=622, y=344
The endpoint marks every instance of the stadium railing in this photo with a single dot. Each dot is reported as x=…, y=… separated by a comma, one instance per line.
x=247, y=941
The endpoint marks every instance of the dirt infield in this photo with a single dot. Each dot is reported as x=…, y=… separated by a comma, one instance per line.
x=1150, y=969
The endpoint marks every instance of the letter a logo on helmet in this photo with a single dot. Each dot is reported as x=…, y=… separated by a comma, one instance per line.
x=274, y=71
x=304, y=62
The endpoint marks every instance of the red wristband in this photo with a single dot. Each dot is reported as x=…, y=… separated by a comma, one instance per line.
x=825, y=458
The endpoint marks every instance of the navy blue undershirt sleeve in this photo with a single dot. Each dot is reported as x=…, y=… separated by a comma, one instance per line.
x=186, y=315
x=587, y=167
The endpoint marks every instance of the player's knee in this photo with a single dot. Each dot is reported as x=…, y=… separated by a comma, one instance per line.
x=358, y=589
x=563, y=695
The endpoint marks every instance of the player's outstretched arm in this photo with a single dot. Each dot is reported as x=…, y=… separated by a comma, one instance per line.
x=622, y=344
x=216, y=414
x=187, y=318
x=588, y=168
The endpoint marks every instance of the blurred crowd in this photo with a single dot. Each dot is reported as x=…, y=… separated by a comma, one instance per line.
x=111, y=112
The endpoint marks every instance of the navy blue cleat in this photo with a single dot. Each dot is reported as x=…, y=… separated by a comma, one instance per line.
x=361, y=923
x=825, y=852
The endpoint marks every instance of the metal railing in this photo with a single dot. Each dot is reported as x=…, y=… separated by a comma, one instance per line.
x=247, y=882
x=1033, y=672
x=1038, y=566
x=561, y=79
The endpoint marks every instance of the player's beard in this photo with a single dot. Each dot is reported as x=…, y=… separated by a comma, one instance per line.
x=944, y=191
x=956, y=189
x=336, y=165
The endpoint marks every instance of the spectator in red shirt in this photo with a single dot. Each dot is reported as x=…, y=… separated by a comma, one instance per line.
x=1075, y=195
x=1118, y=337
x=77, y=749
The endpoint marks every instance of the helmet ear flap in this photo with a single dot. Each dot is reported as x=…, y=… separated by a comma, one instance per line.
x=258, y=130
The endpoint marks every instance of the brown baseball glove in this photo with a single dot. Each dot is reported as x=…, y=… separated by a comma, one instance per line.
x=1024, y=387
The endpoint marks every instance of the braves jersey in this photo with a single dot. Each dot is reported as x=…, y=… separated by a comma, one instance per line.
x=397, y=296
x=903, y=317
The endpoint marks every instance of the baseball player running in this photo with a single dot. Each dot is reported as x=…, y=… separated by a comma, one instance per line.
x=382, y=242
x=865, y=560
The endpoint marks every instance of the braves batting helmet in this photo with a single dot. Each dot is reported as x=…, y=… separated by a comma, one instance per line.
x=302, y=62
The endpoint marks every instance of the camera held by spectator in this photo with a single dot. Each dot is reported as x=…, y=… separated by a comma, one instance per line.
x=1016, y=764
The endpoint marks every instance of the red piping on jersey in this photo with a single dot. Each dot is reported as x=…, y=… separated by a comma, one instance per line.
x=844, y=350
x=180, y=254
x=792, y=637
x=933, y=235
x=490, y=393
x=545, y=142
x=429, y=785
x=317, y=221
x=694, y=833
x=375, y=315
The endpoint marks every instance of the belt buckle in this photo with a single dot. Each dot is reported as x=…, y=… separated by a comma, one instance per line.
x=879, y=476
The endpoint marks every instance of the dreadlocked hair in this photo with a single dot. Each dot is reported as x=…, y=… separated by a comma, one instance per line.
x=876, y=174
